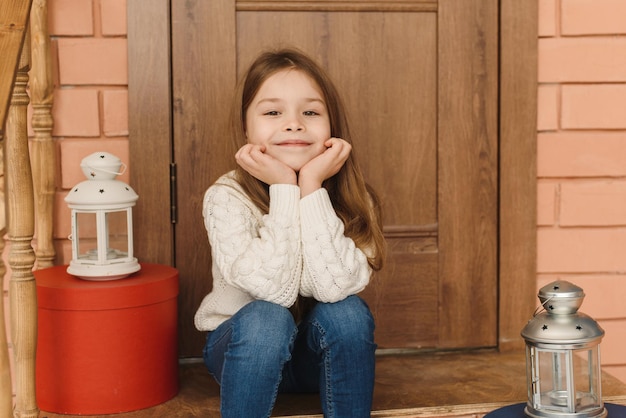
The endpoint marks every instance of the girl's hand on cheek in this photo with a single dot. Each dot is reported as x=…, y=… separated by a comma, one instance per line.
x=324, y=166
x=266, y=168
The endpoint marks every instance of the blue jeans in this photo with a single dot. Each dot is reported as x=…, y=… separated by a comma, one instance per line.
x=260, y=352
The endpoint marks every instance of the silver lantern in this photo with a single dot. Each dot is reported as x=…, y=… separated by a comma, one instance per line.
x=563, y=357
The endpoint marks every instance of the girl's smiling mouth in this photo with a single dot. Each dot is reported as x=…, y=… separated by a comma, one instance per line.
x=294, y=143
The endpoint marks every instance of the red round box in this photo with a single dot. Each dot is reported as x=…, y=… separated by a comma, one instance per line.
x=106, y=347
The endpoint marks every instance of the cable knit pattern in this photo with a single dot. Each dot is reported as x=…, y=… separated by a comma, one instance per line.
x=333, y=267
x=255, y=256
x=274, y=257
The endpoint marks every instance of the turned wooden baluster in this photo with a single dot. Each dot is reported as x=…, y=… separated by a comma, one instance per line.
x=42, y=149
x=20, y=230
x=6, y=397
x=13, y=22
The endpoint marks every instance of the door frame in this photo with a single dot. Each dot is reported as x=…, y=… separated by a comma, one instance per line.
x=150, y=132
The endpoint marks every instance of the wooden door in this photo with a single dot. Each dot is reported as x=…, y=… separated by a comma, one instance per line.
x=420, y=80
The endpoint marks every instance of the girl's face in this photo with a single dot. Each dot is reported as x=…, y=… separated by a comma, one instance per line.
x=288, y=116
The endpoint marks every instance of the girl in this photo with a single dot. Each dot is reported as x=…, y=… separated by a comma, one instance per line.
x=295, y=234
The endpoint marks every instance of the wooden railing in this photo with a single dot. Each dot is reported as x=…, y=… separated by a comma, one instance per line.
x=20, y=185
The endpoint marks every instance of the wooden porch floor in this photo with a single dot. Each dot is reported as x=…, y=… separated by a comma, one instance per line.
x=461, y=385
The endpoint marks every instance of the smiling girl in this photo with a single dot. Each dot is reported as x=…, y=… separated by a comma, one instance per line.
x=295, y=234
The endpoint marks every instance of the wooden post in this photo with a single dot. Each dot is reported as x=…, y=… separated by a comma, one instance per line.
x=20, y=228
x=13, y=19
x=43, y=156
x=6, y=396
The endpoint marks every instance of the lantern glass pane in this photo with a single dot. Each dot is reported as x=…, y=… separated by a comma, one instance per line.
x=117, y=228
x=86, y=236
x=553, y=378
x=531, y=377
x=587, y=371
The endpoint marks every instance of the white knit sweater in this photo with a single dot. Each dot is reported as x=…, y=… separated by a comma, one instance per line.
x=298, y=248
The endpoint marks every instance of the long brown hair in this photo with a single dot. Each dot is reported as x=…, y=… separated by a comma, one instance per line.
x=355, y=202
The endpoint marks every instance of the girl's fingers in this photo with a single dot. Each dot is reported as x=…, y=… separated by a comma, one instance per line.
x=339, y=145
x=339, y=149
x=249, y=154
x=252, y=158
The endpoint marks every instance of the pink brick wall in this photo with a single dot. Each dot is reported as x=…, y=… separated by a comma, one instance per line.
x=582, y=159
x=581, y=138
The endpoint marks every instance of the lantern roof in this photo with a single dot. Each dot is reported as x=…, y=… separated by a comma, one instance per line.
x=573, y=330
x=561, y=297
x=101, y=194
x=561, y=324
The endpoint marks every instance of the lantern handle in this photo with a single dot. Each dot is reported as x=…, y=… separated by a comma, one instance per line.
x=109, y=171
x=542, y=307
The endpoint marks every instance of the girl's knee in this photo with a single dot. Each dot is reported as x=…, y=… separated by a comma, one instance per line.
x=351, y=318
x=265, y=323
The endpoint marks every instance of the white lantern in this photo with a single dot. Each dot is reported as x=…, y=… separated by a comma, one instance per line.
x=102, y=222
x=563, y=357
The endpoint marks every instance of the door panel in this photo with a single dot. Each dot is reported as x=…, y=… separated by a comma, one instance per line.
x=420, y=83
x=467, y=174
x=203, y=76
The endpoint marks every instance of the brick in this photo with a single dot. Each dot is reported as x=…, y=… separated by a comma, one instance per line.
x=581, y=154
x=72, y=152
x=595, y=106
x=113, y=17
x=115, y=112
x=62, y=216
x=70, y=17
x=548, y=107
x=63, y=251
x=90, y=61
x=593, y=17
x=76, y=112
x=547, y=18
x=546, y=201
x=580, y=250
x=614, y=340
x=582, y=59
x=54, y=61
x=593, y=203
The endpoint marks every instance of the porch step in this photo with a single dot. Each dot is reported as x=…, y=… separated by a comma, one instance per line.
x=408, y=385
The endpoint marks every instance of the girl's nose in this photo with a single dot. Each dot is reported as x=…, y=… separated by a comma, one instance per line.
x=294, y=124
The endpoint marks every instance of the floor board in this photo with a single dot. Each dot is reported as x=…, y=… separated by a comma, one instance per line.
x=408, y=382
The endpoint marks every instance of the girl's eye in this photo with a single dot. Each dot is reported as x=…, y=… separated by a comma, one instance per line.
x=272, y=113
x=310, y=113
